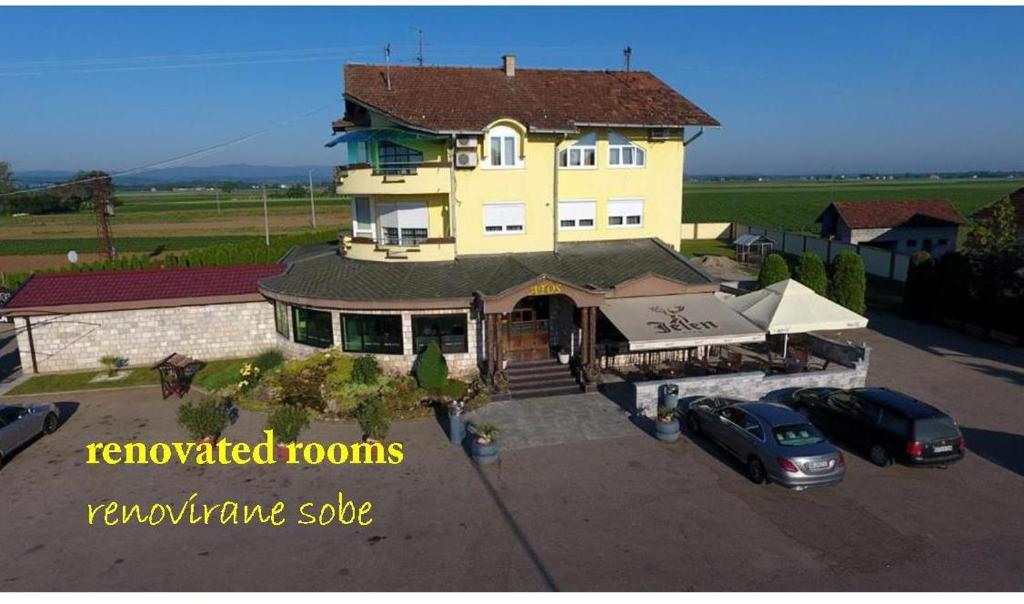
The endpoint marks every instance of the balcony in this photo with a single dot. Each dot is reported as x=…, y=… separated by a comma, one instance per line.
x=394, y=179
x=405, y=247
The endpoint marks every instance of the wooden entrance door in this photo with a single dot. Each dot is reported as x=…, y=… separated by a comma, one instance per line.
x=526, y=336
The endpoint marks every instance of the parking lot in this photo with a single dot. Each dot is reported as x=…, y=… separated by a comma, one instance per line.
x=623, y=513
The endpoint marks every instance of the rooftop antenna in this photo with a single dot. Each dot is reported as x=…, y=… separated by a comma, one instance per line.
x=387, y=65
x=419, y=52
x=628, y=53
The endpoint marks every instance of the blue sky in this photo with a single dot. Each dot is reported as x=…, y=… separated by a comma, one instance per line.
x=797, y=90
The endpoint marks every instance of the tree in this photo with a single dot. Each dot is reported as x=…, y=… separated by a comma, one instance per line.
x=78, y=192
x=431, y=370
x=919, y=290
x=6, y=177
x=849, y=281
x=773, y=270
x=996, y=234
x=953, y=285
x=811, y=272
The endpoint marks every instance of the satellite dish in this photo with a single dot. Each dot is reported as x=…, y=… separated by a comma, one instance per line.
x=72, y=256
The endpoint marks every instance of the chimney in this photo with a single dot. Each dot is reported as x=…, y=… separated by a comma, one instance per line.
x=509, y=62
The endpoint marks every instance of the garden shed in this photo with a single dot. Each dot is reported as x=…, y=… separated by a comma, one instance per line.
x=752, y=244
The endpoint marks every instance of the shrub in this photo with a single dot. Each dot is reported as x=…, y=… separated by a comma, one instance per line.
x=811, y=272
x=372, y=414
x=773, y=270
x=202, y=419
x=849, y=281
x=268, y=359
x=340, y=372
x=455, y=389
x=432, y=371
x=484, y=433
x=287, y=422
x=365, y=370
x=953, y=285
x=919, y=290
x=112, y=362
x=300, y=383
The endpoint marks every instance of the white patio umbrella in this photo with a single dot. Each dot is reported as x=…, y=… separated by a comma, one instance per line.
x=791, y=307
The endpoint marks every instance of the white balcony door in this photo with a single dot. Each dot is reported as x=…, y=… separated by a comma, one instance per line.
x=362, y=217
x=403, y=223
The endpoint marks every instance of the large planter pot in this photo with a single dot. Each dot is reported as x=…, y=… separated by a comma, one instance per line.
x=456, y=429
x=667, y=431
x=208, y=440
x=669, y=396
x=484, y=453
x=281, y=452
x=563, y=358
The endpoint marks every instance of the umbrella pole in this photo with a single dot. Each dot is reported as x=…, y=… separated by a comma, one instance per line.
x=785, y=344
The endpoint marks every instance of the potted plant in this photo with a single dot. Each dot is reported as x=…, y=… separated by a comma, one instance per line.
x=372, y=415
x=666, y=428
x=563, y=355
x=203, y=421
x=456, y=423
x=483, y=447
x=287, y=422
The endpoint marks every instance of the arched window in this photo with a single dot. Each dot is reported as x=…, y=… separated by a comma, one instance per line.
x=582, y=153
x=623, y=153
x=505, y=148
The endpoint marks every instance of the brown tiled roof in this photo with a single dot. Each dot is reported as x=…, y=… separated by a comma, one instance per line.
x=467, y=99
x=1016, y=200
x=896, y=212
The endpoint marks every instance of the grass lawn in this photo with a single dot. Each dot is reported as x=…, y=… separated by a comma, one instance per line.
x=708, y=247
x=63, y=382
x=218, y=374
x=31, y=247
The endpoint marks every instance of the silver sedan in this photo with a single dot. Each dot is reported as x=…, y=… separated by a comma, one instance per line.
x=20, y=424
x=774, y=442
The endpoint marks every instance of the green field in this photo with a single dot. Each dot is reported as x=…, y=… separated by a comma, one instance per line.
x=31, y=247
x=795, y=205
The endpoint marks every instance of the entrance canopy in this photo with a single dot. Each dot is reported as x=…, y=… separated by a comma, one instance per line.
x=791, y=307
x=680, y=321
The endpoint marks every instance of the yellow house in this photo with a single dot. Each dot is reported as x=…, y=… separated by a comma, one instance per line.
x=495, y=211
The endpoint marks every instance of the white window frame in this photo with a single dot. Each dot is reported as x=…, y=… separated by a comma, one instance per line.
x=504, y=226
x=637, y=152
x=369, y=229
x=581, y=209
x=504, y=133
x=625, y=214
x=407, y=216
x=582, y=149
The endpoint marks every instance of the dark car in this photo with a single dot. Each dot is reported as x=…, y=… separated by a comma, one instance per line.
x=887, y=425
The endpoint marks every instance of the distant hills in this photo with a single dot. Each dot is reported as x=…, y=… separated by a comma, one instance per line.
x=193, y=175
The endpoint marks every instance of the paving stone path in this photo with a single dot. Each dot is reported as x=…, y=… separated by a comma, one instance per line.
x=555, y=420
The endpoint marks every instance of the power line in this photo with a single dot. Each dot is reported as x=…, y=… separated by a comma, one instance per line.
x=180, y=158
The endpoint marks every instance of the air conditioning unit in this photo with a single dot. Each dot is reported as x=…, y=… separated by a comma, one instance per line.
x=660, y=134
x=465, y=159
x=464, y=142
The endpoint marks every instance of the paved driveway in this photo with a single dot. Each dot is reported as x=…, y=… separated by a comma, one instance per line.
x=614, y=514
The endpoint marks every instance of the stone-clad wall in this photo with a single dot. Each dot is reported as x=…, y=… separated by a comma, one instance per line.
x=143, y=337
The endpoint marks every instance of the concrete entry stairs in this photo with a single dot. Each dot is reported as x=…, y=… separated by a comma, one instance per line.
x=534, y=379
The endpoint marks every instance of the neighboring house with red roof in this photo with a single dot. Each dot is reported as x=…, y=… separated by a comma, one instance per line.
x=1017, y=201
x=69, y=320
x=900, y=225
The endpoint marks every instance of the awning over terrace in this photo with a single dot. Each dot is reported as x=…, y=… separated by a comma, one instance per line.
x=680, y=321
x=373, y=135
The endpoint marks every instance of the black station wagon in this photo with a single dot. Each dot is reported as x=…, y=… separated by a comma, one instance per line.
x=887, y=425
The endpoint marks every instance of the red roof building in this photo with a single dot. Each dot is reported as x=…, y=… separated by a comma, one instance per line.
x=902, y=225
x=132, y=289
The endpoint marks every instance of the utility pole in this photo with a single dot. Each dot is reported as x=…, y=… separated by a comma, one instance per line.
x=387, y=65
x=419, y=54
x=266, y=218
x=312, y=204
x=103, y=209
x=628, y=53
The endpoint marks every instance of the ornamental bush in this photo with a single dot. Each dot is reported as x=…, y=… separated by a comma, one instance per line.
x=365, y=370
x=372, y=414
x=203, y=419
x=431, y=370
x=773, y=270
x=287, y=422
x=811, y=272
x=849, y=281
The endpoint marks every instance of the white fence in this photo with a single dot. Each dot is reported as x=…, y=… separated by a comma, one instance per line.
x=877, y=262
